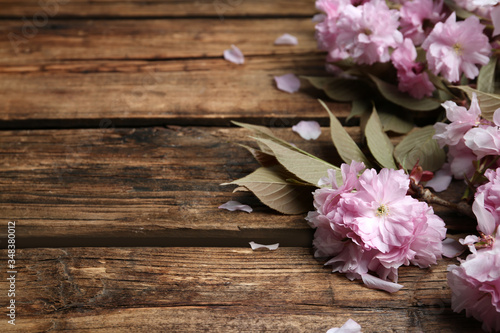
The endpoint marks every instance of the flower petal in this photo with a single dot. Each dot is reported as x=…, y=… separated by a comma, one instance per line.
x=286, y=39
x=376, y=283
x=350, y=326
x=307, y=129
x=288, y=82
x=452, y=248
x=271, y=247
x=441, y=179
x=485, y=220
x=235, y=205
x=234, y=55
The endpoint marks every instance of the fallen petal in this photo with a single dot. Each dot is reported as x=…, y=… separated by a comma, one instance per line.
x=288, y=82
x=271, y=247
x=376, y=283
x=350, y=326
x=308, y=129
x=318, y=18
x=235, y=205
x=234, y=55
x=286, y=39
x=452, y=248
x=441, y=179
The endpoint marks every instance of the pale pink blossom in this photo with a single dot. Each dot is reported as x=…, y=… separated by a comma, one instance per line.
x=415, y=13
x=461, y=159
x=461, y=121
x=483, y=140
x=495, y=19
x=369, y=226
x=442, y=179
x=475, y=286
x=234, y=55
x=411, y=75
x=289, y=83
x=455, y=47
x=367, y=32
x=308, y=130
x=486, y=205
x=350, y=326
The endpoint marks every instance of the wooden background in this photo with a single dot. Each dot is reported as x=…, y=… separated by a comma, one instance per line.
x=115, y=135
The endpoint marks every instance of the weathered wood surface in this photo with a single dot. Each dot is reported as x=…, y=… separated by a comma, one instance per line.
x=206, y=92
x=158, y=8
x=216, y=290
x=157, y=186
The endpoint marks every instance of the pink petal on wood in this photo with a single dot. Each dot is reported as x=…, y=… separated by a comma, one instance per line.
x=286, y=39
x=452, y=248
x=256, y=246
x=288, y=82
x=235, y=205
x=350, y=326
x=307, y=129
x=377, y=283
x=234, y=55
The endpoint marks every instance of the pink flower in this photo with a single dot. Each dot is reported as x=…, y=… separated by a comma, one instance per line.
x=455, y=47
x=475, y=286
x=369, y=225
x=486, y=205
x=411, y=75
x=485, y=139
x=462, y=120
x=461, y=160
x=367, y=32
x=413, y=15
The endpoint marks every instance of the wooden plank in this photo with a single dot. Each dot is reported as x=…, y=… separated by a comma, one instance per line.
x=216, y=289
x=206, y=92
x=156, y=8
x=146, y=186
x=154, y=39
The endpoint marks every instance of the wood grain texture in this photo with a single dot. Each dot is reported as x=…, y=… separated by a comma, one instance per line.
x=216, y=289
x=157, y=186
x=203, y=92
x=153, y=39
x=158, y=8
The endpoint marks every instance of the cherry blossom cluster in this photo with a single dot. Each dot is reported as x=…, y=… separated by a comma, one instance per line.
x=369, y=226
x=469, y=138
x=475, y=284
x=369, y=32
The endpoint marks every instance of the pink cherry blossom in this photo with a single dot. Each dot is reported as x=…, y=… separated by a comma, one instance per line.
x=369, y=225
x=411, y=75
x=461, y=160
x=483, y=140
x=455, y=47
x=413, y=15
x=487, y=202
x=475, y=286
x=461, y=121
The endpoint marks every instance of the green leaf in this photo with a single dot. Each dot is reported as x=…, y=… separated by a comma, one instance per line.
x=419, y=146
x=305, y=167
x=319, y=82
x=346, y=147
x=265, y=159
x=392, y=94
x=346, y=90
x=273, y=187
x=378, y=142
x=488, y=102
x=486, y=77
x=461, y=13
x=359, y=106
x=395, y=121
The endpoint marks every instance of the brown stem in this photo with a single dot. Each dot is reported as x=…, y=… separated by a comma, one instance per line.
x=429, y=197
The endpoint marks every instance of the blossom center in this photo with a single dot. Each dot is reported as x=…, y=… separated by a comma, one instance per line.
x=382, y=210
x=458, y=49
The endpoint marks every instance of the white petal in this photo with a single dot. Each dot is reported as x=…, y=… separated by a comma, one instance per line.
x=452, y=248
x=288, y=82
x=307, y=129
x=496, y=117
x=286, y=39
x=441, y=179
x=235, y=205
x=350, y=326
x=376, y=283
x=256, y=246
x=234, y=55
